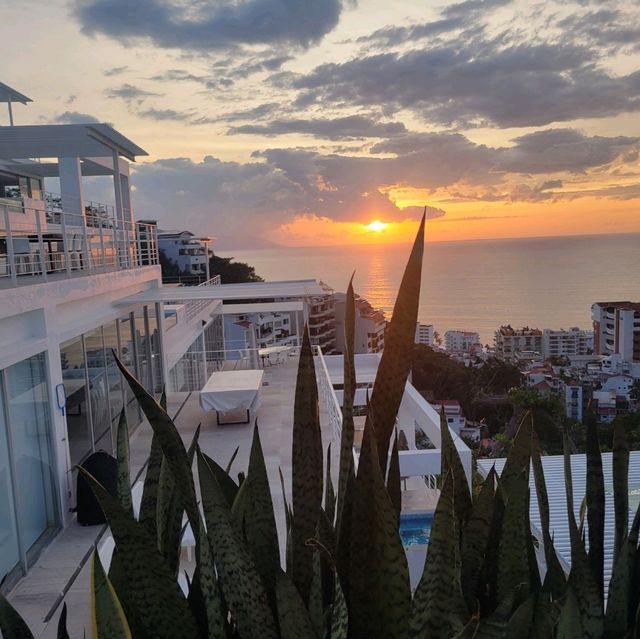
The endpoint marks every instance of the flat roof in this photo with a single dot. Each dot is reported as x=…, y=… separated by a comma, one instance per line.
x=7, y=94
x=251, y=290
x=366, y=365
x=65, y=140
x=553, y=467
x=261, y=307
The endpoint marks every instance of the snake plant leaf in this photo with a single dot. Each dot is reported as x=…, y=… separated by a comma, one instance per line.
x=519, y=457
x=570, y=621
x=617, y=611
x=292, y=613
x=108, y=619
x=171, y=510
x=229, y=487
x=476, y=539
x=513, y=560
x=583, y=585
x=394, y=486
x=489, y=575
x=395, y=363
x=329, y=493
x=232, y=458
x=522, y=619
x=196, y=601
x=379, y=595
x=208, y=588
x=259, y=518
x=450, y=461
x=149, y=502
x=172, y=447
x=123, y=455
x=62, y=632
x=316, y=597
x=160, y=606
x=345, y=469
x=496, y=625
x=339, y=612
x=620, y=484
x=12, y=625
x=595, y=503
x=240, y=583
x=163, y=399
x=554, y=581
x=306, y=461
x=439, y=610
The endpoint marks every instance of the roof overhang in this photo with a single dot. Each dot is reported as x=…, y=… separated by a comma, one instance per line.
x=7, y=94
x=65, y=140
x=264, y=307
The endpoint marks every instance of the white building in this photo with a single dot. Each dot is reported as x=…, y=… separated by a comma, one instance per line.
x=188, y=252
x=78, y=282
x=462, y=342
x=370, y=325
x=425, y=334
x=522, y=343
x=563, y=343
x=616, y=327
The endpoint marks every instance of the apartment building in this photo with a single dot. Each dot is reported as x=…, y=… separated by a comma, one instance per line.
x=462, y=342
x=322, y=319
x=370, y=325
x=566, y=343
x=616, y=328
x=79, y=280
x=188, y=252
x=513, y=344
x=425, y=334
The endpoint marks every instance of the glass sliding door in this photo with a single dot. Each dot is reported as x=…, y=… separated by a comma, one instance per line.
x=9, y=550
x=98, y=390
x=27, y=400
x=114, y=378
x=154, y=344
x=74, y=378
x=128, y=358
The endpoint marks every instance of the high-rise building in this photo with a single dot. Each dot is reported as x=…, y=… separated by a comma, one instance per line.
x=563, y=343
x=188, y=252
x=370, y=325
x=425, y=334
x=462, y=342
x=511, y=343
x=616, y=329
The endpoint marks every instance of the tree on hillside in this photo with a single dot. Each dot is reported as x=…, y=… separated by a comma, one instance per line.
x=231, y=272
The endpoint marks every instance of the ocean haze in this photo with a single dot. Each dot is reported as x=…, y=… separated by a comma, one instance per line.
x=477, y=285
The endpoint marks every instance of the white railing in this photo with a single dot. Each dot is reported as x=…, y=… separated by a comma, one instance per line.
x=328, y=396
x=38, y=239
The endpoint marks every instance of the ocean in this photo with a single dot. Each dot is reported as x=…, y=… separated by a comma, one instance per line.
x=476, y=285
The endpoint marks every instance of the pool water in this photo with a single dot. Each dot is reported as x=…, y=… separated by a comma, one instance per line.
x=415, y=529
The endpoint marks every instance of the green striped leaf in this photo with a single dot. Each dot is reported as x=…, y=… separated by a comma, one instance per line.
x=555, y=581
x=394, y=486
x=306, y=462
x=160, y=607
x=12, y=625
x=395, y=363
x=379, y=592
x=108, y=618
x=62, y=624
x=339, y=612
x=617, y=612
x=123, y=457
x=241, y=585
x=439, y=610
x=149, y=502
x=451, y=462
x=292, y=613
x=228, y=485
x=595, y=503
x=347, y=435
x=475, y=540
x=519, y=456
x=329, y=493
x=570, y=621
x=620, y=484
x=583, y=586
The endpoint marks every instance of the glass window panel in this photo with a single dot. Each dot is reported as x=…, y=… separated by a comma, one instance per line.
x=77, y=409
x=143, y=349
x=115, y=380
x=98, y=390
x=9, y=552
x=128, y=358
x=154, y=344
x=30, y=424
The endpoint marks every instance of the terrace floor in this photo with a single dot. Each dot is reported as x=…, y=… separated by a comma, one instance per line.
x=62, y=571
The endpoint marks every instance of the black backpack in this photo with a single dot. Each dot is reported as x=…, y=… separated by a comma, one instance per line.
x=104, y=468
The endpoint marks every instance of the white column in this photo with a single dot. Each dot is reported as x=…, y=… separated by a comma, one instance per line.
x=71, y=189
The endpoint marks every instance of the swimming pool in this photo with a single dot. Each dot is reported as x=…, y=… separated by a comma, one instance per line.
x=415, y=528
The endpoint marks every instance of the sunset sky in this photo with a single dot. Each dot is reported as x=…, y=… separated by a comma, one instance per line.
x=302, y=121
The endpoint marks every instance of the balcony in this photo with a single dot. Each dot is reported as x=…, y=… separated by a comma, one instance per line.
x=39, y=240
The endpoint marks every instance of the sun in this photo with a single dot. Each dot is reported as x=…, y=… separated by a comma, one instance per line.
x=376, y=226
